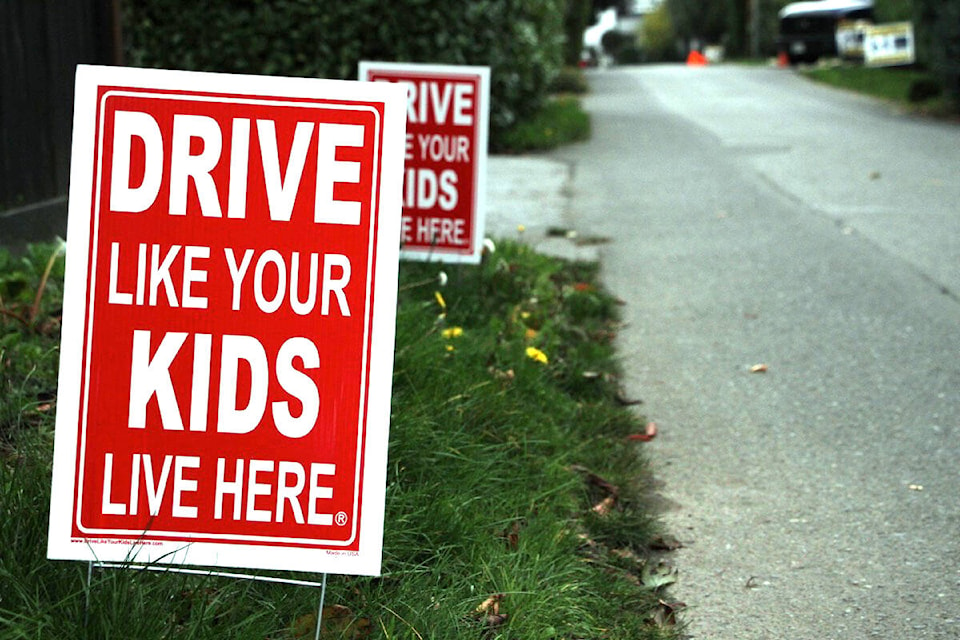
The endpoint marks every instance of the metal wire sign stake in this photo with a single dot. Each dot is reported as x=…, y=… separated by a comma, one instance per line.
x=322, y=585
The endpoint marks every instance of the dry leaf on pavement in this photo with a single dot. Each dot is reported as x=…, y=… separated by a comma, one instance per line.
x=650, y=432
x=665, y=543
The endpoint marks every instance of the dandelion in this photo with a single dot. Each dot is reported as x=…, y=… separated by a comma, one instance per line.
x=450, y=348
x=452, y=332
x=521, y=228
x=535, y=354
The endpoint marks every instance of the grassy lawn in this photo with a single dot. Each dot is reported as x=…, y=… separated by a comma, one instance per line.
x=516, y=497
x=560, y=121
x=888, y=83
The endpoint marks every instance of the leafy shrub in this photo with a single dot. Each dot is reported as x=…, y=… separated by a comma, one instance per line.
x=658, y=36
x=569, y=80
x=937, y=25
x=924, y=89
x=521, y=40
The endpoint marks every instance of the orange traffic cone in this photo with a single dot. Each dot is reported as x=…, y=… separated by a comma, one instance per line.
x=696, y=59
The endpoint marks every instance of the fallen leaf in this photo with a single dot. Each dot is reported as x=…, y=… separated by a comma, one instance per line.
x=625, y=401
x=587, y=241
x=596, y=480
x=512, y=534
x=494, y=620
x=649, y=433
x=758, y=368
x=604, y=507
x=665, y=614
x=626, y=554
x=915, y=487
x=659, y=575
x=665, y=543
x=490, y=605
x=337, y=621
x=603, y=336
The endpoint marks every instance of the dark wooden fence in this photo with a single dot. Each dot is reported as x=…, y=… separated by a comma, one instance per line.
x=41, y=42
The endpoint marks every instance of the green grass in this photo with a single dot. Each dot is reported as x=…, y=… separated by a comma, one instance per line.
x=497, y=465
x=560, y=121
x=888, y=83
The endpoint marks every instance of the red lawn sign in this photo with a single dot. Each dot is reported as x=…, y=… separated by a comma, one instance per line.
x=228, y=323
x=445, y=158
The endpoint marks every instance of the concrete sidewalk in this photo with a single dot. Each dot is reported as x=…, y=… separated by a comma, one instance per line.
x=534, y=192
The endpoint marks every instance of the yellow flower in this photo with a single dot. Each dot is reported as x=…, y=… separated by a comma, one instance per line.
x=535, y=354
x=521, y=228
x=440, y=300
x=450, y=348
x=452, y=332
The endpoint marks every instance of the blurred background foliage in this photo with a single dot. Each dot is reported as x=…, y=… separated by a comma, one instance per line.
x=525, y=42
x=521, y=40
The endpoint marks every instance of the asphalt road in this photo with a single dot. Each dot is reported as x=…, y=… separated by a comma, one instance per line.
x=756, y=218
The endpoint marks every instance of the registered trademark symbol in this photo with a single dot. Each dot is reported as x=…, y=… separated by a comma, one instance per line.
x=340, y=518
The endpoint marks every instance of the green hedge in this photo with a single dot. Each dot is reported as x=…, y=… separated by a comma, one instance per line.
x=521, y=40
x=938, y=40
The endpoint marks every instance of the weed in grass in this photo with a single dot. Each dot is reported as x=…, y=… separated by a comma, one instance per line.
x=492, y=520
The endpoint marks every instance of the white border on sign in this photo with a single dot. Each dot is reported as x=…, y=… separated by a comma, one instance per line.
x=481, y=144
x=354, y=517
x=379, y=331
